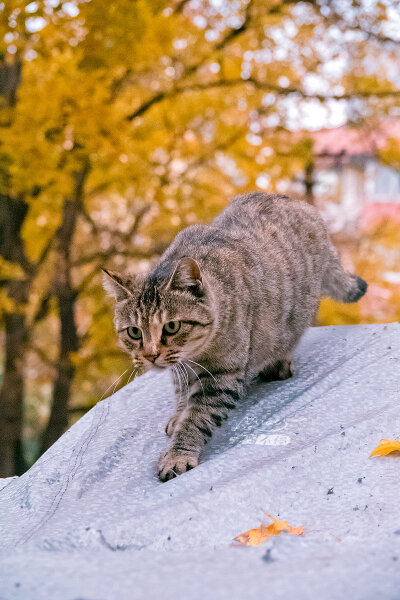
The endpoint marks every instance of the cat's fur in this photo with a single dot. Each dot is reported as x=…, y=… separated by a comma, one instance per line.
x=245, y=289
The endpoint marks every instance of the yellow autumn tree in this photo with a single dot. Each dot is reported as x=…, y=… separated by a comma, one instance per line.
x=123, y=122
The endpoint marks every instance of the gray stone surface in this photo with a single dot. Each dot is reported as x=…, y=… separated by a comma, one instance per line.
x=90, y=521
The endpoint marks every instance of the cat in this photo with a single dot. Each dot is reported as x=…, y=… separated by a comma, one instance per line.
x=228, y=302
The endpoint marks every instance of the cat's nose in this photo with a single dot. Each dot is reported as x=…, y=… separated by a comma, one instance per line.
x=151, y=357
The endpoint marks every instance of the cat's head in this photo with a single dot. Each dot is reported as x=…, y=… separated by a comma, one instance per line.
x=164, y=317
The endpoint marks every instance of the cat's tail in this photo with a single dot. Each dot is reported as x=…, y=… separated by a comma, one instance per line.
x=340, y=285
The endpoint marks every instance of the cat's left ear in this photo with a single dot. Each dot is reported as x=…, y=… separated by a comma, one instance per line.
x=115, y=285
x=187, y=276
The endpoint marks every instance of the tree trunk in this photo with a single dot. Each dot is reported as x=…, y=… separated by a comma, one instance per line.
x=66, y=298
x=11, y=397
x=12, y=217
x=309, y=182
x=10, y=79
x=58, y=421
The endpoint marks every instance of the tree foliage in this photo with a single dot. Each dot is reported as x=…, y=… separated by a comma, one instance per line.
x=123, y=122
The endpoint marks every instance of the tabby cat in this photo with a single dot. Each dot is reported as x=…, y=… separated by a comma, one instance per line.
x=228, y=302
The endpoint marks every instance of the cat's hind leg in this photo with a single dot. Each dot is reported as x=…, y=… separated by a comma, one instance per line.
x=340, y=285
x=278, y=371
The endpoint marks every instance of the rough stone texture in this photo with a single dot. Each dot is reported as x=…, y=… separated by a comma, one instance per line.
x=90, y=521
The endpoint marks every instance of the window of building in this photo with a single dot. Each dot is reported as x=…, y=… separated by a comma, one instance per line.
x=382, y=184
x=327, y=184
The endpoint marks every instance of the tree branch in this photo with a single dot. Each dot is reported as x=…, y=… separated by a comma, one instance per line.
x=100, y=356
x=113, y=251
x=116, y=232
x=232, y=34
x=42, y=309
x=42, y=356
x=180, y=6
x=338, y=19
x=262, y=85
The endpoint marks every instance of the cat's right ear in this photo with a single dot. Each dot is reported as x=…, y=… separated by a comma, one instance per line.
x=187, y=276
x=115, y=285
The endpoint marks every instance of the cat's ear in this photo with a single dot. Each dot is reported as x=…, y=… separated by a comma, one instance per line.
x=115, y=285
x=187, y=276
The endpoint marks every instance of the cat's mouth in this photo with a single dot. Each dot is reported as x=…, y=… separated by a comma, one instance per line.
x=158, y=367
x=160, y=364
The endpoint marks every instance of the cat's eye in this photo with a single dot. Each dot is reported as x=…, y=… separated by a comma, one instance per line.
x=172, y=327
x=134, y=333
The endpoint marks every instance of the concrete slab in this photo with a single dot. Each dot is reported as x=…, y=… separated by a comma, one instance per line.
x=90, y=521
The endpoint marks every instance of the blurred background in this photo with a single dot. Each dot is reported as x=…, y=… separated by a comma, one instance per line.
x=123, y=122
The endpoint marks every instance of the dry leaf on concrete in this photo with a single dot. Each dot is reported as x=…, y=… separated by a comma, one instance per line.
x=255, y=537
x=386, y=447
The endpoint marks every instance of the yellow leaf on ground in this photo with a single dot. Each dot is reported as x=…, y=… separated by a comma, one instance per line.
x=255, y=537
x=386, y=447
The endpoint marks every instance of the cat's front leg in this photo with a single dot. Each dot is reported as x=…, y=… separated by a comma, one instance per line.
x=207, y=408
x=170, y=426
x=181, y=386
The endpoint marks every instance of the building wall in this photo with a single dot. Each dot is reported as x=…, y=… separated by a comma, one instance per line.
x=347, y=194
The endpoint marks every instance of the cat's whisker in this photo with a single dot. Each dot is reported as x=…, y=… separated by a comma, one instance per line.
x=186, y=378
x=179, y=370
x=114, y=383
x=201, y=366
x=175, y=370
x=193, y=371
x=179, y=382
x=133, y=373
x=182, y=371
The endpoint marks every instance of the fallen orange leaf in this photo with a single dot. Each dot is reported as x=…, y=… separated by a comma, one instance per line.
x=385, y=447
x=255, y=537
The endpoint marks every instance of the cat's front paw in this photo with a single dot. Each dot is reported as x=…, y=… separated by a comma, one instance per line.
x=174, y=463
